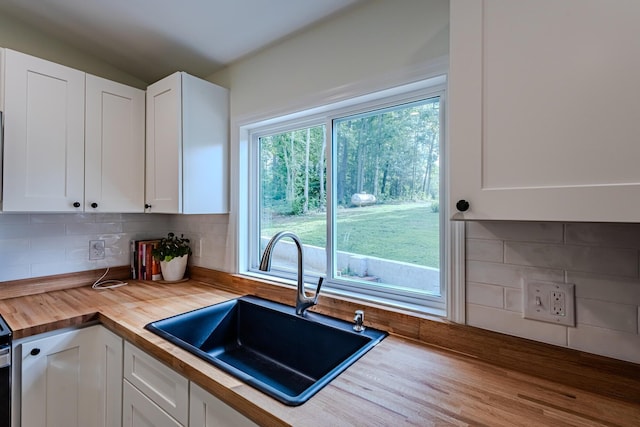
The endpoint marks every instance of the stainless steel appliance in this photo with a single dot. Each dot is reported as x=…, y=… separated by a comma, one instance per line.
x=5, y=374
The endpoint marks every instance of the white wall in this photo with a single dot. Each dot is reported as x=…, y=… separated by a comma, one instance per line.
x=377, y=40
x=19, y=36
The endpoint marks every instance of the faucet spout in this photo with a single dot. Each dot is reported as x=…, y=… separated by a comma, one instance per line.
x=303, y=302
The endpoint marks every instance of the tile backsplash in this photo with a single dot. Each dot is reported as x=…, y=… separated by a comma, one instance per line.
x=602, y=260
x=211, y=240
x=35, y=245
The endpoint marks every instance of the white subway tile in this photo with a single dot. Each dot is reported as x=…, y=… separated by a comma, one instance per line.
x=155, y=225
x=513, y=300
x=109, y=217
x=609, y=315
x=509, y=275
x=94, y=228
x=484, y=250
x=511, y=323
x=489, y=295
x=605, y=288
x=613, y=235
x=218, y=219
x=61, y=218
x=27, y=231
x=13, y=245
x=14, y=272
x=48, y=268
x=60, y=243
x=12, y=218
x=520, y=231
x=31, y=255
x=78, y=254
x=218, y=229
x=615, y=261
x=605, y=342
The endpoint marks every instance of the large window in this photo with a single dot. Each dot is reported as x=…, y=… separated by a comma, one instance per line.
x=361, y=186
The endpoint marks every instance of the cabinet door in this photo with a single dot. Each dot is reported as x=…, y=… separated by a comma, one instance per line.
x=58, y=386
x=207, y=411
x=543, y=109
x=109, y=359
x=70, y=379
x=205, y=136
x=43, y=135
x=114, y=147
x=164, y=145
x=140, y=411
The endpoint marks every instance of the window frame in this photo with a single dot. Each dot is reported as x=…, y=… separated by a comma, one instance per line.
x=249, y=252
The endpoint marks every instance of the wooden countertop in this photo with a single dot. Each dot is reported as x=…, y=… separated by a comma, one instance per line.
x=400, y=381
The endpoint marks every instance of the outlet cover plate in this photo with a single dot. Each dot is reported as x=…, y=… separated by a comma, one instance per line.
x=550, y=302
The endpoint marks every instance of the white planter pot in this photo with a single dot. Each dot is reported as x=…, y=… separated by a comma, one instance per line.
x=173, y=270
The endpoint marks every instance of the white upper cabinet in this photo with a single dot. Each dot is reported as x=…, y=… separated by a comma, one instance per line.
x=114, y=147
x=187, y=146
x=62, y=154
x=544, y=117
x=43, y=108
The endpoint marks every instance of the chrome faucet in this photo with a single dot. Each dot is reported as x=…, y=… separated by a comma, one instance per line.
x=303, y=302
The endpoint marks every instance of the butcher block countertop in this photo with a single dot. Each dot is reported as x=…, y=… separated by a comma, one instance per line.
x=401, y=381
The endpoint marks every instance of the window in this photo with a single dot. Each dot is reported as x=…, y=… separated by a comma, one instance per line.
x=361, y=186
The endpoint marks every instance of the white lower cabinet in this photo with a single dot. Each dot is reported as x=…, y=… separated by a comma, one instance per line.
x=69, y=379
x=161, y=385
x=140, y=411
x=207, y=411
x=90, y=377
x=156, y=395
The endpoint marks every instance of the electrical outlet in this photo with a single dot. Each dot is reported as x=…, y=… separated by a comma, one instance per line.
x=96, y=249
x=549, y=302
x=558, y=303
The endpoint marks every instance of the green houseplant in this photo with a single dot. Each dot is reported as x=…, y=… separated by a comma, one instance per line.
x=173, y=253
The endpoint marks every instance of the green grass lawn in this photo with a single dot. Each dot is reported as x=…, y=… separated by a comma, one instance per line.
x=407, y=232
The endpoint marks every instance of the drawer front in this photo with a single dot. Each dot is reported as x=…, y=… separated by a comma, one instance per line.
x=138, y=410
x=168, y=389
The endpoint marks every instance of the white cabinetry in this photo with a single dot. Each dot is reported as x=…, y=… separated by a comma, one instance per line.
x=187, y=146
x=156, y=395
x=114, y=147
x=70, y=379
x=43, y=106
x=153, y=392
x=50, y=164
x=140, y=411
x=207, y=411
x=543, y=109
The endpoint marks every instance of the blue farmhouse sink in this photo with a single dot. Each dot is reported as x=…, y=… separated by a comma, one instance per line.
x=266, y=345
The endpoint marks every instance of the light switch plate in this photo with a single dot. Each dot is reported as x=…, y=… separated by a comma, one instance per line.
x=550, y=302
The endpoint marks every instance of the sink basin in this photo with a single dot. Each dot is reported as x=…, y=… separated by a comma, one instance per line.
x=266, y=345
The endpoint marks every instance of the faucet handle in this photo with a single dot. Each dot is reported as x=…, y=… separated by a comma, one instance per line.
x=315, y=297
x=358, y=321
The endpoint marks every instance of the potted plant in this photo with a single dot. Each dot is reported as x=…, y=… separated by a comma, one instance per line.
x=173, y=253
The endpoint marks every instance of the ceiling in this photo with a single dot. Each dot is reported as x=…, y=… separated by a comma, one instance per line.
x=150, y=39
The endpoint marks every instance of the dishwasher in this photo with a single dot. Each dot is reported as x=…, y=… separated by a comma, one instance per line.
x=5, y=374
